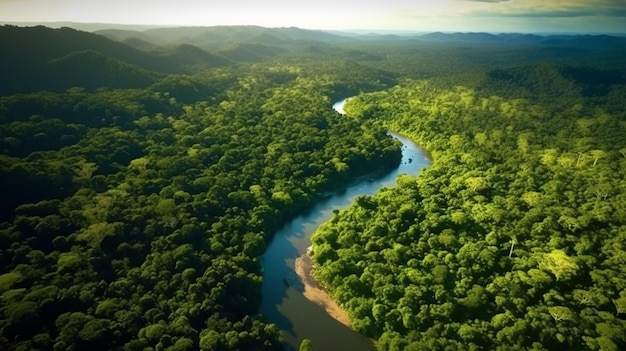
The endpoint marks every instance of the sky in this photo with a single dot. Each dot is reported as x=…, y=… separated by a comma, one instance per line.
x=563, y=16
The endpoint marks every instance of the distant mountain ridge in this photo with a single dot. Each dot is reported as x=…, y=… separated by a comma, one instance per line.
x=578, y=40
x=218, y=37
x=481, y=37
x=84, y=26
x=42, y=58
x=123, y=58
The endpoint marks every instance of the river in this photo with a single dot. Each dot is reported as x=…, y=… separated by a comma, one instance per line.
x=283, y=299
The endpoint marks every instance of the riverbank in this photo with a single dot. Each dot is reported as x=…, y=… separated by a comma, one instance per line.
x=314, y=293
x=312, y=314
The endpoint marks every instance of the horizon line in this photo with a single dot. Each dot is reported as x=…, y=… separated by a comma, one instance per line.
x=361, y=31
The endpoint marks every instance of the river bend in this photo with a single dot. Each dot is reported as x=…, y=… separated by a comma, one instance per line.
x=283, y=299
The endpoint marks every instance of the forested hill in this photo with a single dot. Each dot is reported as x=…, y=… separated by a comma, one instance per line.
x=547, y=81
x=41, y=58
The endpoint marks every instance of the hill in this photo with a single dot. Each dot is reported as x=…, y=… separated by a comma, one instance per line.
x=222, y=37
x=190, y=58
x=547, y=81
x=33, y=55
x=581, y=41
x=92, y=70
x=41, y=58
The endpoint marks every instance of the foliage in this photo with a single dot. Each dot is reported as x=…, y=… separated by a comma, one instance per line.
x=306, y=345
x=512, y=239
x=139, y=189
x=148, y=220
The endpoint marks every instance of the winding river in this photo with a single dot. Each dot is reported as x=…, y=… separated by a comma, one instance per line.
x=283, y=292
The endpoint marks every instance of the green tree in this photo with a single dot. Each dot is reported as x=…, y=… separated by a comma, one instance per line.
x=306, y=345
x=559, y=264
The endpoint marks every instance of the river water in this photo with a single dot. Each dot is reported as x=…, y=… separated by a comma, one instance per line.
x=283, y=301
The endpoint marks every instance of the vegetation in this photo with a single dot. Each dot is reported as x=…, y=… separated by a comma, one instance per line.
x=512, y=239
x=306, y=345
x=141, y=184
x=133, y=220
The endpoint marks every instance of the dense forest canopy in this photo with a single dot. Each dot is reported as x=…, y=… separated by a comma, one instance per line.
x=144, y=173
x=514, y=238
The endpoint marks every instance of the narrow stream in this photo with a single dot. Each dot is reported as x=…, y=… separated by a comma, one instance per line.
x=283, y=301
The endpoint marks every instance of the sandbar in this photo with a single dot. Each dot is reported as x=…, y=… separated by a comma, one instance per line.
x=314, y=293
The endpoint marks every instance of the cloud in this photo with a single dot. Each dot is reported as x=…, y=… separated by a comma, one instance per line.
x=520, y=15
x=488, y=1
x=553, y=9
x=495, y=15
x=565, y=13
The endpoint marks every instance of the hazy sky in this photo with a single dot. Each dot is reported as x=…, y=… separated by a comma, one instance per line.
x=412, y=15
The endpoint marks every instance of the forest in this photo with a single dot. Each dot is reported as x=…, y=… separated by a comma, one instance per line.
x=143, y=174
x=513, y=239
